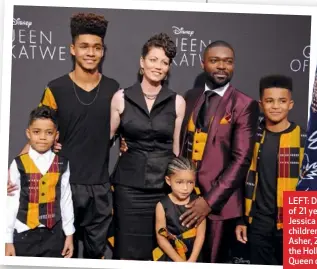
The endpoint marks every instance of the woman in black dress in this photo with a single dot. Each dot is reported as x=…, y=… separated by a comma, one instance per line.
x=149, y=116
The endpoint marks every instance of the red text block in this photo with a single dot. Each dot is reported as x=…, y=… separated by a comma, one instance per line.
x=299, y=229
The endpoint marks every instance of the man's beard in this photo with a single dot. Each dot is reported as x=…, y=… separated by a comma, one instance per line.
x=212, y=81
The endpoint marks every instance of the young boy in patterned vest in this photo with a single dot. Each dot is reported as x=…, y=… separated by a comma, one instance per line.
x=40, y=213
x=275, y=168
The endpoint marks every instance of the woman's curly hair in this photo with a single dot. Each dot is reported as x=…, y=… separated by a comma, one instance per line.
x=163, y=41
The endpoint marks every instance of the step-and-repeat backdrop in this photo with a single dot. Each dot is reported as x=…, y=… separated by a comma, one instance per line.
x=264, y=44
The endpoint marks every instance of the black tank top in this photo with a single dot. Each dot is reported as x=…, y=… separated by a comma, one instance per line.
x=149, y=137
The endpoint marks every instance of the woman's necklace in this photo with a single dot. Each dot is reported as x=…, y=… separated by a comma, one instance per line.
x=150, y=96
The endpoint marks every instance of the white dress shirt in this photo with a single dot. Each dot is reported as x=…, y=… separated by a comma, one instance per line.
x=221, y=90
x=43, y=163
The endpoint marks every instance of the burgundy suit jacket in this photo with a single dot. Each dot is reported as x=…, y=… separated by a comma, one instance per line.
x=228, y=151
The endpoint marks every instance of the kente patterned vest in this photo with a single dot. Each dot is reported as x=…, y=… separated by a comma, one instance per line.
x=197, y=137
x=40, y=194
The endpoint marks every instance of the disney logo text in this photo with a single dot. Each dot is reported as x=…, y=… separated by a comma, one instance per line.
x=181, y=31
x=18, y=21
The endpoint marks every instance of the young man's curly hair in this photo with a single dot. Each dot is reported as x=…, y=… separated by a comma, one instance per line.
x=88, y=23
x=163, y=41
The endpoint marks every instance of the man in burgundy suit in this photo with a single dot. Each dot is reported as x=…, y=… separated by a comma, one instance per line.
x=218, y=135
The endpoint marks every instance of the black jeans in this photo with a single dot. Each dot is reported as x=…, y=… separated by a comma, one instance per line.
x=265, y=241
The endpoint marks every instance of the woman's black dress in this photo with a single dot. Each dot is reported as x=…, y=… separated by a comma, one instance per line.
x=138, y=177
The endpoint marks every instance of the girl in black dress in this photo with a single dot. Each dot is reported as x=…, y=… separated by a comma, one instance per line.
x=149, y=116
x=176, y=242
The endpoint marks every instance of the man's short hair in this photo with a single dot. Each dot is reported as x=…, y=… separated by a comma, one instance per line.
x=219, y=43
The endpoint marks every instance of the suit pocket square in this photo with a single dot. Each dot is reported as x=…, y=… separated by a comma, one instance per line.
x=224, y=121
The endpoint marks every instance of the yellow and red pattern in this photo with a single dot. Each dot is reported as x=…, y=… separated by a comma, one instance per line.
x=38, y=192
x=178, y=242
x=290, y=156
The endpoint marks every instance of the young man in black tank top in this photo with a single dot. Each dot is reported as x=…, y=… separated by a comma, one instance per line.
x=270, y=175
x=82, y=99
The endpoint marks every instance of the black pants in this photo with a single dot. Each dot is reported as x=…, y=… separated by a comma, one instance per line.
x=265, y=241
x=93, y=215
x=40, y=242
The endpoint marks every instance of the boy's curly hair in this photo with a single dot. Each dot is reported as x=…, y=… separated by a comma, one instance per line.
x=43, y=112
